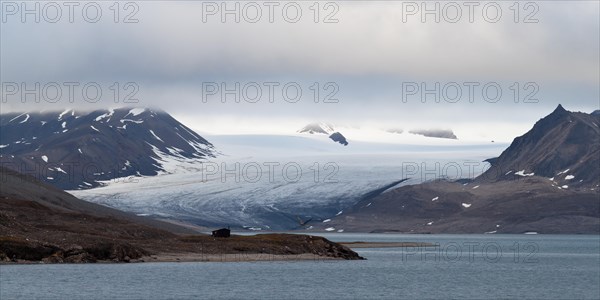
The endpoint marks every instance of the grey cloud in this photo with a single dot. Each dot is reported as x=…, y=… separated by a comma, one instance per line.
x=368, y=54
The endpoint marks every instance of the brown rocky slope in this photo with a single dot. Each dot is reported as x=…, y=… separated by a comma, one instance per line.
x=41, y=223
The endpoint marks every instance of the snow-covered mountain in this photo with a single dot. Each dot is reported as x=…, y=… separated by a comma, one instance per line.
x=318, y=127
x=327, y=129
x=75, y=150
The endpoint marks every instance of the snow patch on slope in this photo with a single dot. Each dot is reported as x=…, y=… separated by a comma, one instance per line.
x=25, y=120
x=63, y=113
x=106, y=115
x=136, y=111
x=15, y=118
x=156, y=136
x=523, y=174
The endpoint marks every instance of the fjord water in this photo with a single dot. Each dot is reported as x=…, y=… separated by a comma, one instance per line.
x=463, y=266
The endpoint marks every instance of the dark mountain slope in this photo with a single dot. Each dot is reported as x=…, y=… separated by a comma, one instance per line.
x=19, y=187
x=547, y=181
x=561, y=144
x=73, y=151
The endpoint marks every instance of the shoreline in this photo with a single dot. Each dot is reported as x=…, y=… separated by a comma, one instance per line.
x=359, y=245
x=194, y=257
x=174, y=257
x=234, y=257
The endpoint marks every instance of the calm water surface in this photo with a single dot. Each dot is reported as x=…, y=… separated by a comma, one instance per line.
x=463, y=266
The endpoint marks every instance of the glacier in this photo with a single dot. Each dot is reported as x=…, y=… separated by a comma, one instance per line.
x=269, y=182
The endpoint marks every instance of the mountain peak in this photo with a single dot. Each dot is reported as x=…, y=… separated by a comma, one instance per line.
x=561, y=141
x=318, y=127
x=559, y=110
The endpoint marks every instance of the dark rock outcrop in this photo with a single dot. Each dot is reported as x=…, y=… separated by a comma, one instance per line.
x=338, y=137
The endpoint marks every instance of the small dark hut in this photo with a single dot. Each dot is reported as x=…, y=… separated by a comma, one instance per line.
x=223, y=232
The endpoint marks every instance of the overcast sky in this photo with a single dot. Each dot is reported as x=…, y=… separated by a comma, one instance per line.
x=370, y=58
